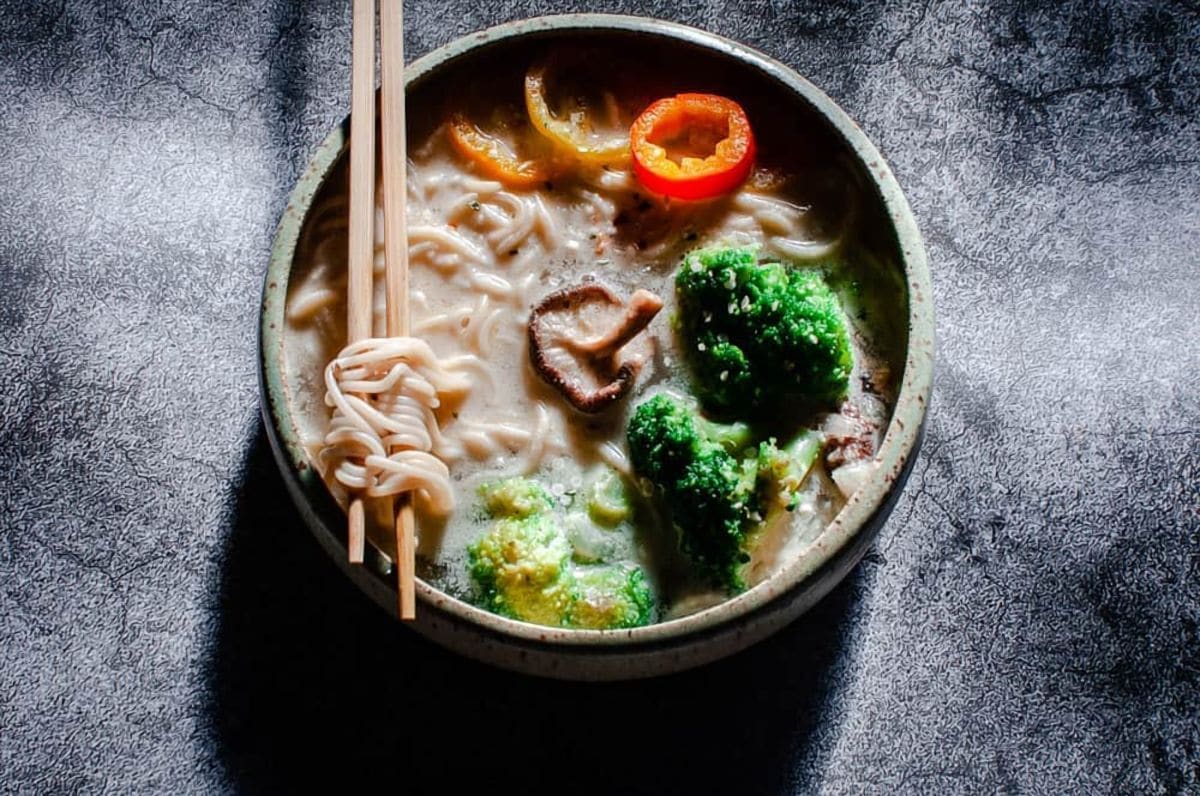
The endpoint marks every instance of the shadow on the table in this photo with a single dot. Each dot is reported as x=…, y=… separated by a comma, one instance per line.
x=312, y=683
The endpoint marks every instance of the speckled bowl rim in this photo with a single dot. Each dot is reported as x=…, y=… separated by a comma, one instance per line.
x=899, y=443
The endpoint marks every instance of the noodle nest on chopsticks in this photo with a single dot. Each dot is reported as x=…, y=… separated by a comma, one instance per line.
x=384, y=438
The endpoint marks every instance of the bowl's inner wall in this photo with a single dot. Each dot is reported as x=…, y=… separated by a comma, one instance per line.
x=784, y=123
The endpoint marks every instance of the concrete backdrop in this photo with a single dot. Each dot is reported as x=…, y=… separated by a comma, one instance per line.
x=1027, y=621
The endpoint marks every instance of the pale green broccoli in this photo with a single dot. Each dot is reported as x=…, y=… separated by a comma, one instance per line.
x=611, y=596
x=515, y=497
x=608, y=500
x=787, y=467
x=522, y=566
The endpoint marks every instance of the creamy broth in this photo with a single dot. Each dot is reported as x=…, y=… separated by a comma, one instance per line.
x=482, y=254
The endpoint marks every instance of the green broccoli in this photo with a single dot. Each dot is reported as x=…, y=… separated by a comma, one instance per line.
x=523, y=566
x=758, y=335
x=711, y=494
x=717, y=488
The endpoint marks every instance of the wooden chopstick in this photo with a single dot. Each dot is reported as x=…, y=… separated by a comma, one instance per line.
x=362, y=214
x=395, y=234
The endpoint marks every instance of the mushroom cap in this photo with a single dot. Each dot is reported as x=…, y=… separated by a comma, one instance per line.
x=561, y=327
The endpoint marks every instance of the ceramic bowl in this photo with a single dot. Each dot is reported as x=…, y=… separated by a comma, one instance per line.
x=717, y=631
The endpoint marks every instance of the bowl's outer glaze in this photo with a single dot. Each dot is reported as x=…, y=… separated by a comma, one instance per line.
x=669, y=646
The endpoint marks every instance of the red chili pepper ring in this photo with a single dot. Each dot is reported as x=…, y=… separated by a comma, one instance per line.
x=692, y=146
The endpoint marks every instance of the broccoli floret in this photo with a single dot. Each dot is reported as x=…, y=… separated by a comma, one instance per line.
x=663, y=439
x=722, y=493
x=784, y=469
x=758, y=335
x=711, y=494
x=522, y=567
x=733, y=437
x=781, y=473
x=603, y=531
x=515, y=497
x=611, y=597
x=607, y=501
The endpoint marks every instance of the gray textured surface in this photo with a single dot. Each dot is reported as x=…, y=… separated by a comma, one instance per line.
x=1027, y=621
